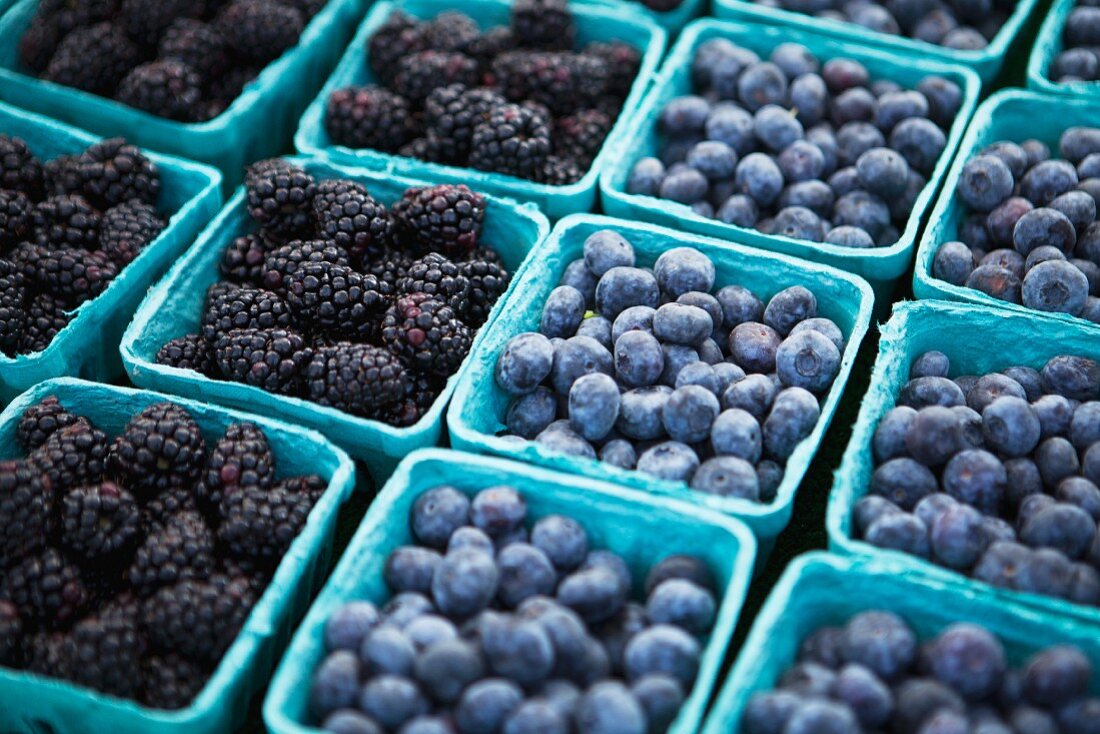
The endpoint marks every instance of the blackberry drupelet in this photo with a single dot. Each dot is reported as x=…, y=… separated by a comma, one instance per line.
x=284, y=260
x=99, y=521
x=74, y=275
x=166, y=88
x=182, y=548
x=15, y=217
x=426, y=332
x=420, y=73
x=260, y=524
x=93, y=59
x=199, y=45
x=437, y=277
x=171, y=681
x=26, y=503
x=161, y=447
x=13, y=316
x=488, y=281
x=11, y=635
x=19, y=169
x=66, y=221
x=113, y=172
x=514, y=141
x=560, y=81
x=369, y=117
x=199, y=619
x=127, y=229
x=355, y=378
x=146, y=22
x=450, y=115
x=399, y=36
x=336, y=301
x=190, y=352
x=242, y=458
x=559, y=172
x=446, y=218
x=623, y=62
x=353, y=219
x=543, y=24
x=271, y=359
x=46, y=316
x=73, y=456
x=390, y=267
x=280, y=198
x=46, y=587
x=580, y=136
x=105, y=651
x=260, y=30
x=42, y=420
x=244, y=308
x=243, y=260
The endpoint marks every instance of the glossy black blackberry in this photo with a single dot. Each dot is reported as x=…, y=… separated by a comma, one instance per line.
x=46, y=316
x=284, y=260
x=446, y=218
x=15, y=217
x=74, y=275
x=13, y=315
x=559, y=172
x=171, y=681
x=199, y=45
x=489, y=45
x=562, y=82
x=243, y=260
x=190, y=352
x=336, y=301
x=61, y=176
x=369, y=117
x=113, y=172
x=26, y=503
x=399, y=36
x=390, y=267
x=161, y=447
x=93, y=59
x=73, y=456
x=355, y=378
x=280, y=198
x=242, y=458
x=544, y=24
x=244, y=308
x=420, y=73
x=260, y=30
x=42, y=420
x=127, y=229
x=450, y=115
x=19, y=169
x=146, y=22
x=198, y=619
x=66, y=221
x=260, y=524
x=11, y=635
x=421, y=391
x=353, y=219
x=514, y=141
x=181, y=547
x=623, y=62
x=488, y=281
x=451, y=30
x=45, y=654
x=438, y=277
x=425, y=332
x=271, y=359
x=167, y=88
x=105, y=651
x=580, y=136
x=46, y=587
x=99, y=521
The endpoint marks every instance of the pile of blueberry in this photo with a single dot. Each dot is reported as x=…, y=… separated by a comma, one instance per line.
x=874, y=675
x=1030, y=235
x=1079, y=62
x=646, y=369
x=994, y=476
x=797, y=148
x=500, y=627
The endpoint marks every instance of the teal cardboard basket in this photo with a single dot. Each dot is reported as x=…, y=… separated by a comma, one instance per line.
x=643, y=530
x=1048, y=44
x=1009, y=115
x=476, y=417
x=36, y=704
x=977, y=341
x=672, y=21
x=987, y=62
x=594, y=23
x=174, y=308
x=259, y=124
x=881, y=266
x=819, y=589
x=88, y=346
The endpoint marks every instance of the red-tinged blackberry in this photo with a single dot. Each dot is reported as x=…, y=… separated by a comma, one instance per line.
x=99, y=521
x=399, y=36
x=13, y=315
x=179, y=548
x=418, y=74
x=244, y=308
x=113, y=172
x=93, y=59
x=15, y=217
x=271, y=359
x=161, y=447
x=451, y=113
x=168, y=88
x=280, y=199
x=446, y=218
x=354, y=378
x=560, y=81
x=171, y=681
x=260, y=30
x=282, y=261
x=42, y=420
x=26, y=503
x=260, y=524
x=105, y=651
x=336, y=301
x=66, y=221
x=488, y=281
x=559, y=172
x=11, y=635
x=75, y=275
x=45, y=654
x=436, y=276
x=46, y=316
x=489, y=45
x=39, y=42
x=390, y=267
x=61, y=176
x=45, y=587
x=421, y=391
x=127, y=229
x=353, y=219
x=199, y=45
x=623, y=62
x=243, y=260
x=199, y=619
x=145, y=22
x=73, y=456
x=190, y=352
x=514, y=141
x=19, y=169
x=425, y=332
x=545, y=24
x=580, y=136
x=242, y=458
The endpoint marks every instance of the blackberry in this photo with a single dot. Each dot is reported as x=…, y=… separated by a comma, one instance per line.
x=19, y=169
x=61, y=176
x=390, y=267
x=198, y=45
x=451, y=31
x=243, y=260
x=429, y=148
x=425, y=331
x=446, y=218
x=399, y=36
x=559, y=81
x=171, y=681
x=241, y=459
x=310, y=484
x=13, y=316
x=437, y=277
x=42, y=420
x=167, y=88
x=260, y=524
x=26, y=502
x=280, y=198
x=421, y=391
x=113, y=172
x=349, y=216
x=167, y=504
x=15, y=217
x=514, y=141
x=105, y=652
x=127, y=229
x=450, y=115
x=99, y=521
x=420, y=73
x=93, y=59
x=489, y=45
x=544, y=24
x=146, y=22
x=271, y=359
x=46, y=587
x=39, y=42
x=225, y=88
x=182, y=548
x=244, y=308
x=580, y=136
x=485, y=254
x=488, y=281
x=355, y=378
x=161, y=447
x=623, y=63
x=45, y=654
x=11, y=635
x=559, y=172
x=199, y=619
x=73, y=456
x=46, y=316
x=336, y=301
x=66, y=221
x=368, y=117
x=285, y=260
x=259, y=31
x=74, y=275
x=190, y=352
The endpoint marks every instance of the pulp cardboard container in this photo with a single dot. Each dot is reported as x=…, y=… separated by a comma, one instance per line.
x=476, y=418
x=1003, y=340
x=259, y=124
x=1013, y=115
x=881, y=266
x=88, y=346
x=38, y=704
x=594, y=23
x=643, y=530
x=174, y=308
x=1048, y=44
x=819, y=589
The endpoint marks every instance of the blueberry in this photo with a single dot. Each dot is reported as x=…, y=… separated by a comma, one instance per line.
x=335, y=684
x=1063, y=527
x=964, y=39
x=347, y=721
x=809, y=97
x=598, y=328
x=405, y=607
x=995, y=281
x=973, y=232
x=944, y=98
x=646, y=177
x=900, y=532
x=849, y=236
x=977, y=478
x=808, y=679
x=577, y=275
x=562, y=313
x=1078, y=142
x=1041, y=227
x=985, y=182
x=641, y=411
x=534, y=716
x=869, y=509
x=894, y=107
x=776, y=127
x=594, y=405
x=428, y=629
x=799, y=223
x=1090, y=464
x=823, y=137
x=700, y=374
x=465, y=581
x=789, y=307
x=739, y=305
x=736, y=432
x=753, y=346
x=930, y=364
x=1080, y=715
x=792, y=418
x=1079, y=206
x=1077, y=378
x=800, y=161
x=969, y=659
x=970, y=428
x=437, y=513
x=1045, y=181
x=881, y=642
x=685, y=115
x=753, y=394
x=822, y=717
x=855, y=138
x=761, y=84
x=727, y=476
x=525, y=571
x=813, y=195
x=889, y=439
x=517, y=649
x=445, y=668
x=498, y=511
x=808, y=360
x=843, y=73
x=563, y=439
x=660, y=697
x=607, y=249
x=677, y=356
x=953, y=263
x=593, y=593
x=410, y=568
x=864, y=694
x=1033, y=720
x=485, y=705
x=1010, y=260
x=713, y=159
x=1028, y=378
x=739, y=210
x=663, y=649
x=1084, y=429
x=576, y=357
x=1023, y=480
x=391, y=700
x=794, y=59
x=1001, y=222
x=670, y=460
x=1055, y=286
x=864, y=210
x=683, y=269
x=758, y=176
x=767, y=712
x=923, y=392
x=929, y=509
x=1056, y=676
x=853, y=105
x=609, y=708
x=904, y=482
x=635, y=318
x=1011, y=426
x=525, y=362
x=822, y=647
x=678, y=323
x=682, y=603
x=920, y=142
x=683, y=185
x=349, y=624
x=916, y=699
x=733, y=126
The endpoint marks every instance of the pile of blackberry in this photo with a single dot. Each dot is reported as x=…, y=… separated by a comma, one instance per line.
x=341, y=300
x=794, y=147
x=130, y=564
x=517, y=100
x=503, y=624
x=1079, y=61
x=1029, y=233
x=996, y=477
x=67, y=228
x=184, y=60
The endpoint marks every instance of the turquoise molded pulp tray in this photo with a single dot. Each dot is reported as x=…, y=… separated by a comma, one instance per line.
x=881, y=266
x=1048, y=44
x=643, y=530
x=977, y=341
x=88, y=346
x=37, y=704
x=986, y=62
x=1009, y=115
x=819, y=589
x=672, y=21
x=476, y=417
x=260, y=123
x=174, y=308
x=594, y=23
